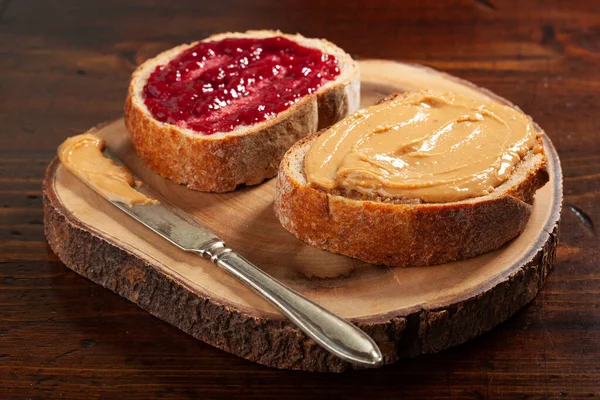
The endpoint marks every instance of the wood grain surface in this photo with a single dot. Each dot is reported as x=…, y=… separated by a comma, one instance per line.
x=407, y=311
x=65, y=66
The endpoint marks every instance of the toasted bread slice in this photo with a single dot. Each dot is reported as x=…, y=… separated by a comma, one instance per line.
x=249, y=154
x=405, y=232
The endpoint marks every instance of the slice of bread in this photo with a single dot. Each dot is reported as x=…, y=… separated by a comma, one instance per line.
x=249, y=154
x=405, y=233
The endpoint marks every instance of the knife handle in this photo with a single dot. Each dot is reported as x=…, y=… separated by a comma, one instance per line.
x=333, y=333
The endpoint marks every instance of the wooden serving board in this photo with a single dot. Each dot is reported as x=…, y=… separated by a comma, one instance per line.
x=408, y=311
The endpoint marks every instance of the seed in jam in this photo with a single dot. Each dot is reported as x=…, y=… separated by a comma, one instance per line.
x=218, y=86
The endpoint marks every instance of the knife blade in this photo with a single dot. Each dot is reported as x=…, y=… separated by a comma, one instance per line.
x=330, y=331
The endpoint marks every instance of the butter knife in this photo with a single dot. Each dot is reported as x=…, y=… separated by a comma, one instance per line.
x=330, y=331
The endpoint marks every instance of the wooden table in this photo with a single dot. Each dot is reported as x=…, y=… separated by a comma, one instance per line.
x=65, y=67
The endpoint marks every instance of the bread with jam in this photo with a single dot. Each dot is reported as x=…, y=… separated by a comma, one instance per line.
x=221, y=112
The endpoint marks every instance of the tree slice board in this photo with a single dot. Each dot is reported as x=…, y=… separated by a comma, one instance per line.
x=407, y=311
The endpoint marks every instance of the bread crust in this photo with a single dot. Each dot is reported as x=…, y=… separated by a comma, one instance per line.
x=221, y=162
x=405, y=234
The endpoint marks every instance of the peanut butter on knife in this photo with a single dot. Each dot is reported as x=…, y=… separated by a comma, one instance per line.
x=82, y=156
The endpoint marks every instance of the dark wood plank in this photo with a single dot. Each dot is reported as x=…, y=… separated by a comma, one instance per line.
x=65, y=67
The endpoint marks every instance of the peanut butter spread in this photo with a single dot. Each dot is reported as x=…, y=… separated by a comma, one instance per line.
x=423, y=145
x=82, y=155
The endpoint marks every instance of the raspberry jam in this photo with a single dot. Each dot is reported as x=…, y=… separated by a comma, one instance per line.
x=218, y=86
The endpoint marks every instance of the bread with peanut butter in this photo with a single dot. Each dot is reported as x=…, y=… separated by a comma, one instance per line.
x=221, y=112
x=419, y=179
